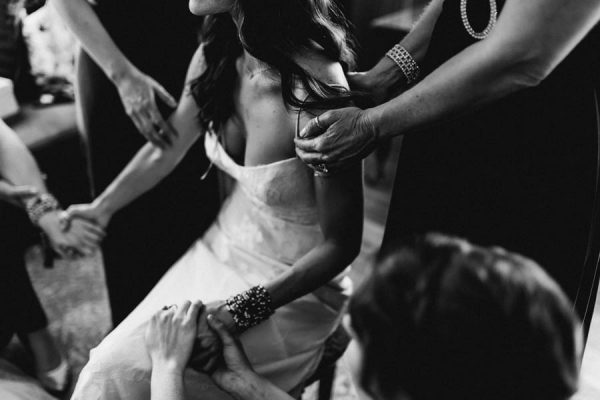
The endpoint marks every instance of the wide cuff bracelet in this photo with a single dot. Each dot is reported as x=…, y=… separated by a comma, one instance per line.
x=250, y=308
x=42, y=205
x=405, y=62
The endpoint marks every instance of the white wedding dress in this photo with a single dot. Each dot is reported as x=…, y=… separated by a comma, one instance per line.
x=268, y=221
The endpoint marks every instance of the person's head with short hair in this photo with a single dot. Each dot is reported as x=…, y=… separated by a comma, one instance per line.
x=442, y=318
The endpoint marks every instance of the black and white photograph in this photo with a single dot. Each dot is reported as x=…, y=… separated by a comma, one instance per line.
x=299, y=199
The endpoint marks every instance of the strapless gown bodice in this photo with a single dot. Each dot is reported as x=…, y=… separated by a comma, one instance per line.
x=271, y=209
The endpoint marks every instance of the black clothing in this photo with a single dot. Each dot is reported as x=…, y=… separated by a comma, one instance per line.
x=22, y=312
x=521, y=173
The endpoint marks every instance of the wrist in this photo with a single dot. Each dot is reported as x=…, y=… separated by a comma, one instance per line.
x=119, y=70
x=104, y=209
x=45, y=222
x=165, y=368
x=375, y=117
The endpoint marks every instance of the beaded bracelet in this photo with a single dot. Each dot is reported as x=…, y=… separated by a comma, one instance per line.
x=405, y=62
x=42, y=205
x=250, y=308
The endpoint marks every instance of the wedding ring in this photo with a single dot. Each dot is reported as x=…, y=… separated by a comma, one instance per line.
x=165, y=308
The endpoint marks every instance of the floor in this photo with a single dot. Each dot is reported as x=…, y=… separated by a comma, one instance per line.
x=74, y=296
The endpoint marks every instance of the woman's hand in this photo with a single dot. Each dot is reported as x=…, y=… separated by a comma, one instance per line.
x=138, y=93
x=81, y=238
x=208, y=345
x=382, y=82
x=171, y=334
x=16, y=195
x=89, y=212
x=337, y=139
x=236, y=376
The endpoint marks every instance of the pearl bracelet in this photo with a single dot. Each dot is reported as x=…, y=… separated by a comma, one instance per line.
x=250, y=308
x=405, y=62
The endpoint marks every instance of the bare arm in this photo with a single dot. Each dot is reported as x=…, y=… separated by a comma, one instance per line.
x=530, y=39
x=137, y=90
x=385, y=79
x=151, y=164
x=20, y=183
x=17, y=165
x=86, y=26
x=340, y=202
x=522, y=51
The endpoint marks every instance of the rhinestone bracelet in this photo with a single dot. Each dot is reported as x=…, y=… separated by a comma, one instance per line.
x=250, y=308
x=42, y=205
x=405, y=62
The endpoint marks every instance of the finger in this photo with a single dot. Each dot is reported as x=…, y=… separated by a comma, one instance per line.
x=91, y=229
x=25, y=192
x=195, y=310
x=61, y=251
x=84, y=246
x=94, y=229
x=149, y=130
x=314, y=144
x=183, y=308
x=211, y=364
x=310, y=158
x=163, y=129
x=139, y=125
x=319, y=125
x=221, y=330
x=164, y=95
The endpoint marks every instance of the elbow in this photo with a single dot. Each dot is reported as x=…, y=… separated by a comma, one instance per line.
x=529, y=75
x=526, y=67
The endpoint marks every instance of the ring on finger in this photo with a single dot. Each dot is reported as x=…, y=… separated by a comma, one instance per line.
x=64, y=221
x=165, y=308
x=321, y=169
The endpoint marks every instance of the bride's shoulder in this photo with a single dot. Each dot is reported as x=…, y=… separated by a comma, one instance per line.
x=322, y=68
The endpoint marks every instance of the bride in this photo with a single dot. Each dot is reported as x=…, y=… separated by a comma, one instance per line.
x=272, y=265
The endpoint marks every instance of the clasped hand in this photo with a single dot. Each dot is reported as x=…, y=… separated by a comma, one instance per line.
x=180, y=336
x=79, y=238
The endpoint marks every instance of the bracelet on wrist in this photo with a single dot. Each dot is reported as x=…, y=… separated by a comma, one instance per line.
x=43, y=204
x=407, y=64
x=250, y=308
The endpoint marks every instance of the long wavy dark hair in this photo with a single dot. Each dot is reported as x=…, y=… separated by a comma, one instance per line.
x=273, y=31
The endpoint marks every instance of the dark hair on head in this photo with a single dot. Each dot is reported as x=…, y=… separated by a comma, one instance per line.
x=275, y=32
x=441, y=318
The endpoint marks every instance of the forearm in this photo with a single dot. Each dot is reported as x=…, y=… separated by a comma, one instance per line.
x=522, y=51
x=416, y=42
x=17, y=165
x=166, y=384
x=82, y=20
x=150, y=165
x=312, y=271
x=471, y=79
